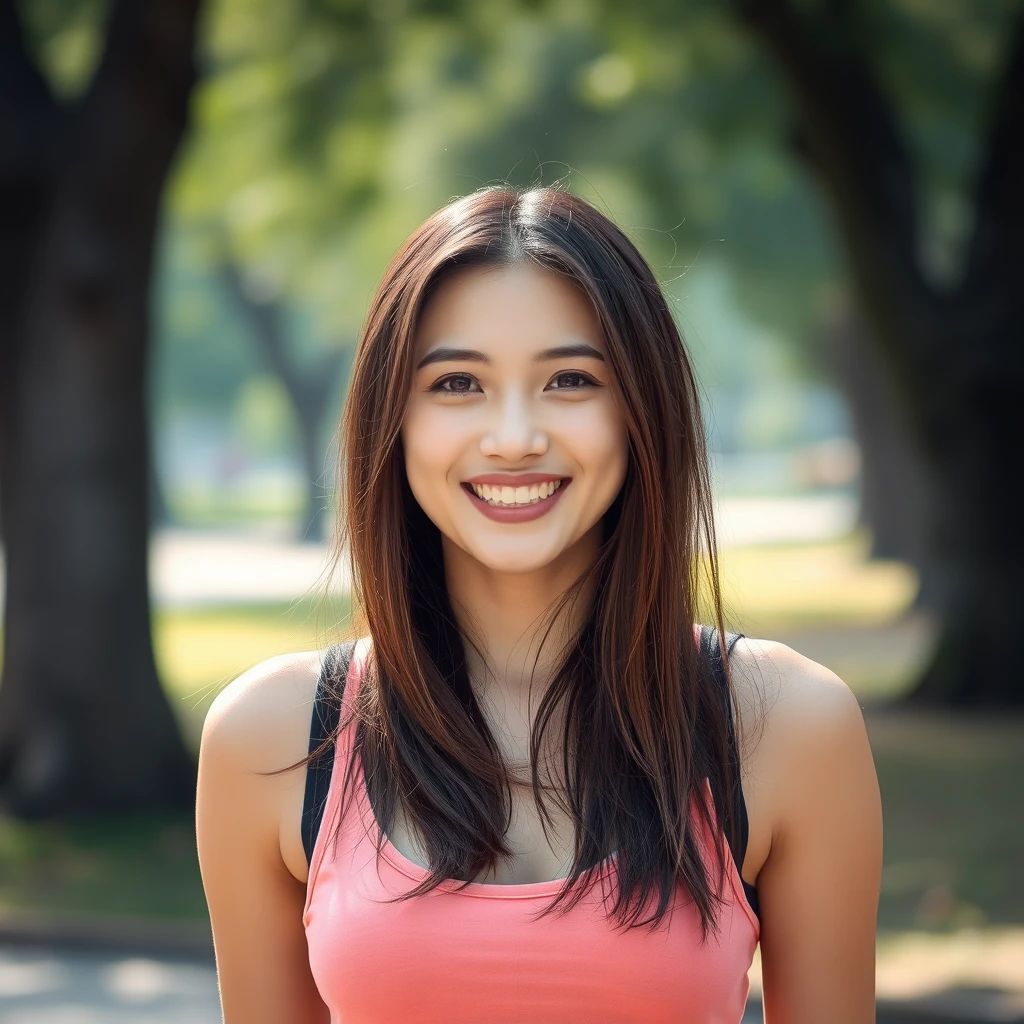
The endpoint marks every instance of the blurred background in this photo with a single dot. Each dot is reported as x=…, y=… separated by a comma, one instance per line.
x=197, y=198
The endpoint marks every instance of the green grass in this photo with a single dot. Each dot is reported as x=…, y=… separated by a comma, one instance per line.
x=953, y=842
x=784, y=587
x=954, y=834
x=146, y=866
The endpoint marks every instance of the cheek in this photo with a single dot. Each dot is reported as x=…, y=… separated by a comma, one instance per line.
x=600, y=443
x=431, y=448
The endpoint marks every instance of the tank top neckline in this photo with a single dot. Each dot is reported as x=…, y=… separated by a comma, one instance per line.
x=488, y=890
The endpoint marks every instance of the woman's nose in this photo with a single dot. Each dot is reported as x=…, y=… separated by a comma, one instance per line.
x=514, y=431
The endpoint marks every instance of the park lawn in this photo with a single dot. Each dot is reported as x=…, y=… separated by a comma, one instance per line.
x=954, y=834
x=952, y=847
x=144, y=867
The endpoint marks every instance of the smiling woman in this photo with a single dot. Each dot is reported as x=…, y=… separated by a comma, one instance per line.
x=537, y=760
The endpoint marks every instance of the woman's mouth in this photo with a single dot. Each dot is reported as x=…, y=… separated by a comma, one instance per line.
x=515, y=497
x=507, y=504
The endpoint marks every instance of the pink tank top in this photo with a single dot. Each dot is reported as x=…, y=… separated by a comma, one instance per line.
x=476, y=954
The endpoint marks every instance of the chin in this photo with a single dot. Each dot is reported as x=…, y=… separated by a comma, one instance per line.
x=513, y=562
x=513, y=565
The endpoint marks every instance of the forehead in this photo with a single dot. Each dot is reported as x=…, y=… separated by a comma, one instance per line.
x=507, y=309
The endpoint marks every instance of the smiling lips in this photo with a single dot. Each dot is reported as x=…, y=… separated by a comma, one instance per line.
x=515, y=499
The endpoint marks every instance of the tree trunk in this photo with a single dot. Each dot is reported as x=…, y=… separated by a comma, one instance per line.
x=309, y=391
x=975, y=437
x=893, y=481
x=84, y=724
x=954, y=355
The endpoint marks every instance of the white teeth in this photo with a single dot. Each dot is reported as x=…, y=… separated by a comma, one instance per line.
x=499, y=497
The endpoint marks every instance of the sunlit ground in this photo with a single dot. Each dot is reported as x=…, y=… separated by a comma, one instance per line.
x=953, y=846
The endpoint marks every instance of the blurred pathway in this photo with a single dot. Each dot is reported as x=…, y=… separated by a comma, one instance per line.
x=42, y=986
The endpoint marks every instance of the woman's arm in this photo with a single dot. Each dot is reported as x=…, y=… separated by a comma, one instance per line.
x=819, y=888
x=260, y=722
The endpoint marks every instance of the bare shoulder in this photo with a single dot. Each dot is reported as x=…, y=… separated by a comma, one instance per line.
x=261, y=719
x=802, y=731
x=802, y=743
x=785, y=698
x=257, y=726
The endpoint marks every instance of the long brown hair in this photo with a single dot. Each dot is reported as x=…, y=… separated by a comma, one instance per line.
x=644, y=722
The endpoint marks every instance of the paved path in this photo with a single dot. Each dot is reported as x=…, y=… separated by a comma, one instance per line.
x=41, y=986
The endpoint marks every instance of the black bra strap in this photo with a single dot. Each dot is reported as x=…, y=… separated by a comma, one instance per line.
x=710, y=650
x=323, y=723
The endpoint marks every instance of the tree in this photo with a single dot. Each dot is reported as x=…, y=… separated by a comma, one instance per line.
x=954, y=348
x=84, y=724
x=891, y=486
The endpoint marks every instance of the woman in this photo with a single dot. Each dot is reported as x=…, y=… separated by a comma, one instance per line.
x=534, y=811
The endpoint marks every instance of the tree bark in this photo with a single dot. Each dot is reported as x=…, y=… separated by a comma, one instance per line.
x=308, y=391
x=955, y=356
x=84, y=724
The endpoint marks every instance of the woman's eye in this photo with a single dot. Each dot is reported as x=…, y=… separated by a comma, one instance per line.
x=577, y=381
x=460, y=384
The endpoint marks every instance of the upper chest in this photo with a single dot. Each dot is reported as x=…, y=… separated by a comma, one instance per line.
x=542, y=847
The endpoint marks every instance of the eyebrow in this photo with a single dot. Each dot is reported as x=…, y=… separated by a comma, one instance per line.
x=470, y=355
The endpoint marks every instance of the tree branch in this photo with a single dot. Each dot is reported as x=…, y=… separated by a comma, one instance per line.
x=999, y=194
x=267, y=330
x=136, y=108
x=308, y=391
x=850, y=137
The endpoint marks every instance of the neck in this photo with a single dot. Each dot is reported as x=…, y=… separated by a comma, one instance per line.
x=508, y=614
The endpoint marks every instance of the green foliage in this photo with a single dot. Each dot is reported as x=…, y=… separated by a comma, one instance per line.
x=324, y=130
x=324, y=133
x=263, y=416
x=67, y=39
